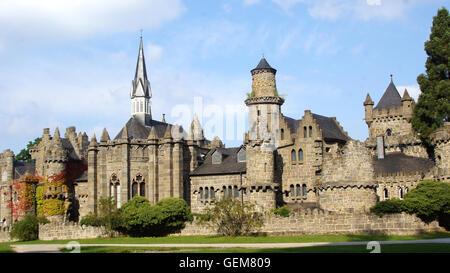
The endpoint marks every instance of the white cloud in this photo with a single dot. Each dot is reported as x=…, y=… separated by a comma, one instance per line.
x=153, y=52
x=250, y=2
x=52, y=19
x=413, y=91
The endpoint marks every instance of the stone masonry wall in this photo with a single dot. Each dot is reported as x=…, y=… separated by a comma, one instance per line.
x=319, y=222
x=66, y=231
x=349, y=198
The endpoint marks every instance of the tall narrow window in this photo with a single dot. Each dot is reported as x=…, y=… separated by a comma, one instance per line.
x=206, y=193
x=385, y=194
x=134, y=189
x=304, y=189
x=282, y=134
x=201, y=192
x=112, y=191
x=298, y=190
x=224, y=192
x=305, y=133
x=310, y=131
x=300, y=155
x=236, y=192
x=292, y=190
x=293, y=156
x=118, y=200
x=400, y=193
x=213, y=193
x=230, y=191
x=142, y=189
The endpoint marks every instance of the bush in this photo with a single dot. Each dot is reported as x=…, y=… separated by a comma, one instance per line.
x=26, y=229
x=388, y=206
x=282, y=211
x=92, y=220
x=233, y=218
x=140, y=218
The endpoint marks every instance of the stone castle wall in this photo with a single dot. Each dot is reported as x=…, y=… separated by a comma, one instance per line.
x=67, y=231
x=319, y=222
x=347, y=198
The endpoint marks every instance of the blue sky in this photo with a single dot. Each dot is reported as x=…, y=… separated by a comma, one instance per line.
x=70, y=63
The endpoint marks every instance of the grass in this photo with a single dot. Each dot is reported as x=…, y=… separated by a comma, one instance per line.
x=5, y=248
x=400, y=248
x=245, y=239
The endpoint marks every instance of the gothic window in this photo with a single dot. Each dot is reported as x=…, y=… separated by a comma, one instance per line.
x=117, y=198
x=305, y=189
x=310, y=131
x=400, y=193
x=201, y=192
x=282, y=134
x=300, y=155
x=134, y=189
x=213, y=193
x=388, y=132
x=305, y=133
x=298, y=190
x=236, y=192
x=142, y=189
x=385, y=194
x=292, y=190
x=293, y=156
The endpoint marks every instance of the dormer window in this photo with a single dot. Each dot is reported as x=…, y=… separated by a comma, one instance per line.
x=241, y=156
x=217, y=157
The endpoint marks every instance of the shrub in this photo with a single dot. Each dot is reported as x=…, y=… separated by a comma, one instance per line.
x=388, y=206
x=91, y=220
x=282, y=211
x=233, y=218
x=26, y=229
x=174, y=214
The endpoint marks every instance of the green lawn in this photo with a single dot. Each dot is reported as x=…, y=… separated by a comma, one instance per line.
x=245, y=239
x=5, y=248
x=401, y=248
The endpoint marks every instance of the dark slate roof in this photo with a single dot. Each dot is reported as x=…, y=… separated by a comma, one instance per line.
x=399, y=162
x=330, y=130
x=229, y=164
x=136, y=130
x=263, y=64
x=292, y=123
x=67, y=145
x=20, y=168
x=390, y=98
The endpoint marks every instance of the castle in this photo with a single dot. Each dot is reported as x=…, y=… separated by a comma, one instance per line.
x=304, y=163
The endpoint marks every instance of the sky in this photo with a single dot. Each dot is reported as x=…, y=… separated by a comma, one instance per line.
x=71, y=63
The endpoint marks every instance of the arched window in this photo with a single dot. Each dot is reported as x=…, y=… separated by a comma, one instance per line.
x=385, y=194
x=201, y=192
x=134, y=189
x=310, y=131
x=299, y=190
x=206, y=193
x=305, y=133
x=388, y=132
x=230, y=191
x=282, y=134
x=406, y=190
x=300, y=155
x=236, y=192
x=142, y=189
x=292, y=190
x=293, y=156
x=213, y=193
x=400, y=193
x=304, y=189
x=224, y=191
x=118, y=200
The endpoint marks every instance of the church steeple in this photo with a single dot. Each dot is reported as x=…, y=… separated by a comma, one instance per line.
x=140, y=90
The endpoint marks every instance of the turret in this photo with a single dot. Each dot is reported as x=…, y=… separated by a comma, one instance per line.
x=407, y=105
x=368, y=107
x=264, y=104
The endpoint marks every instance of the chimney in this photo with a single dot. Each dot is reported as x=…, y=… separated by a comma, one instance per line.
x=380, y=147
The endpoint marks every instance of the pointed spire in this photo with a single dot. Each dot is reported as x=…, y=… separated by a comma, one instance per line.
x=140, y=85
x=164, y=118
x=196, y=130
x=57, y=136
x=153, y=135
x=168, y=133
x=368, y=100
x=390, y=98
x=105, y=136
x=93, y=141
x=406, y=96
x=263, y=65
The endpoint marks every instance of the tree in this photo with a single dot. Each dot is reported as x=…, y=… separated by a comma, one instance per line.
x=433, y=105
x=232, y=218
x=24, y=154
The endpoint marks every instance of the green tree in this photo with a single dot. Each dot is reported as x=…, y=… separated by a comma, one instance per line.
x=24, y=154
x=433, y=105
x=232, y=217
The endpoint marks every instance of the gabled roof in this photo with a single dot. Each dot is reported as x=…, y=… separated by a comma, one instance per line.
x=20, y=168
x=330, y=130
x=229, y=165
x=136, y=130
x=390, y=98
x=399, y=162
